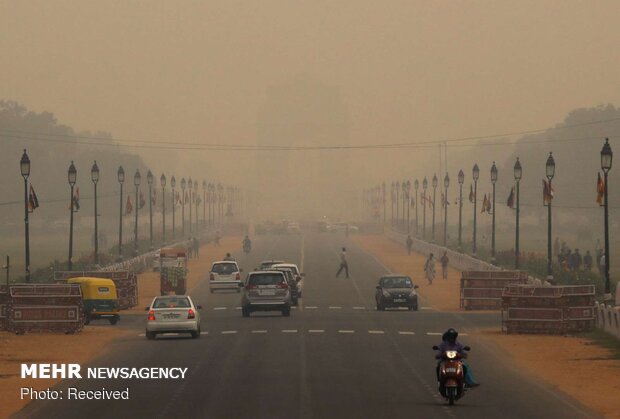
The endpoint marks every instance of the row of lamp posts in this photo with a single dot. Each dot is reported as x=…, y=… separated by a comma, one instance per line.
x=396, y=187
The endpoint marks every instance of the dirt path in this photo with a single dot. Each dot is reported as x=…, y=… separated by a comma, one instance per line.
x=582, y=369
x=94, y=340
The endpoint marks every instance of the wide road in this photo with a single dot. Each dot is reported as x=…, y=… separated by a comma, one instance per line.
x=334, y=357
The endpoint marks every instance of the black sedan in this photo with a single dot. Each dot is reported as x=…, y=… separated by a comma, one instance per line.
x=396, y=291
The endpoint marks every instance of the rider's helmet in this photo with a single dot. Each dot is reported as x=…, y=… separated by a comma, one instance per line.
x=450, y=336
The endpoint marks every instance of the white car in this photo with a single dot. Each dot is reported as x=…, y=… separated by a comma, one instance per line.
x=225, y=274
x=298, y=275
x=173, y=314
x=342, y=228
x=293, y=228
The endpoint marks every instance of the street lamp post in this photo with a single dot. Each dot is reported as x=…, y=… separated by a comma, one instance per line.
x=72, y=177
x=94, y=176
x=392, y=196
x=434, y=193
x=204, y=204
x=446, y=183
x=220, y=190
x=493, y=180
x=408, y=193
x=196, y=202
x=518, y=171
x=189, y=187
x=550, y=172
x=210, y=194
x=136, y=181
x=173, y=184
x=24, y=166
x=461, y=179
x=416, y=185
x=149, y=180
x=606, y=157
x=475, y=175
x=120, y=175
x=397, y=191
x=424, y=187
x=383, y=199
x=183, y=185
x=162, y=182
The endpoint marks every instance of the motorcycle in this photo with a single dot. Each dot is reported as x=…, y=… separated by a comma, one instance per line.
x=451, y=374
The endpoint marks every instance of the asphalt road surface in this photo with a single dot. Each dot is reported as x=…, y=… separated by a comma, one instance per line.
x=334, y=357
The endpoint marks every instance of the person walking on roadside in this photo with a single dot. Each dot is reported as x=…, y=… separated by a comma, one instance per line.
x=444, y=265
x=409, y=244
x=343, y=263
x=587, y=261
x=429, y=268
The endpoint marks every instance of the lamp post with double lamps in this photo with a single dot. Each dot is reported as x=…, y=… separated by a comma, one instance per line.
x=461, y=179
x=162, y=182
x=435, y=182
x=204, y=204
x=183, y=185
x=189, y=188
x=173, y=184
x=149, y=180
x=550, y=173
x=408, y=201
x=94, y=176
x=475, y=175
x=120, y=176
x=518, y=171
x=72, y=177
x=24, y=166
x=416, y=185
x=196, y=203
x=397, y=191
x=137, y=179
x=493, y=180
x=446, y=183
x=606, y=158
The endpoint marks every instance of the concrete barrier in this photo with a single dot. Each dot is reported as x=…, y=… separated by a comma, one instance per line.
x=608, y=319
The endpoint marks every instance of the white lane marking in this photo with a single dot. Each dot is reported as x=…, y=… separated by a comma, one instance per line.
x=237, y=308
x=220, y=308
x=463, y=334
x=335, y=307
x=346, y=331
x=204, y=333
x=311, y=307
x=316, y=330
x=376, y=332
x=289, y=331
x=426, y=308
x=434, y=334
x=259, y=331
x=402, y=332
x=142, y=334
x=229, y=332
x=359, y=308
x=294, y=307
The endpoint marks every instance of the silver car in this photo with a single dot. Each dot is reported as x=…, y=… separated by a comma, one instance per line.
x=224, y=274
x=265, y=291
x=173, y=314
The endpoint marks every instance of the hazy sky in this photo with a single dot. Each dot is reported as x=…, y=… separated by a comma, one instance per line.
x=405, y=70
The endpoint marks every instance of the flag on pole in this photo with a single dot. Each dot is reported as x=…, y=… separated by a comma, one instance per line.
x=600, y=190
x=472, y=197
x=511, y=198
x=154, y=197
x=76, y=200
x=33, y=202
x=485, y=203
x=547, y=193
x=142, y=201
x=177, y=198
x=128, y=207
x=489, y=205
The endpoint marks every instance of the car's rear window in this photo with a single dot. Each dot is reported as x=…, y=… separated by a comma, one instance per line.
x=286, y=271
x=224, y=268
x=397, y=282
x=266, y=279
x=175, y=302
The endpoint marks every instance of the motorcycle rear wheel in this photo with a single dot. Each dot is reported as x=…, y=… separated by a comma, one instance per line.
x=451, y=392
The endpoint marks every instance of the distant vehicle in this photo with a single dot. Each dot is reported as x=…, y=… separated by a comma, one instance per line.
x=224, y=274
x=293, y=228
x=298, y=275
x=266, y=291
x=173, y=314
x=266, y=264
x=342, y=228
x=396, y=291
x=291, y=280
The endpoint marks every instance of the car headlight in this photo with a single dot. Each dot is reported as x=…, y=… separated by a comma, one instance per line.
x=386, y=294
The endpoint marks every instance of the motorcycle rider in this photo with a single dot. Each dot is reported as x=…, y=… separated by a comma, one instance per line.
x=449, y=343
x=247, y=244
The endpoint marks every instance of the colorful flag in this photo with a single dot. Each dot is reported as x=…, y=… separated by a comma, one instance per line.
x=600, y=190
x=142, y=201
x=547, y=193
x=128, y=207
x=511, y=198
x=154, y=197
x=472, y=197
x=489, y=205
x=33, y=202
x=76, y=200
x=485, y=203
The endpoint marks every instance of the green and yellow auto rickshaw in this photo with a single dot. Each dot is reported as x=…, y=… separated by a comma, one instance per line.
x=99, y=297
